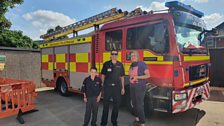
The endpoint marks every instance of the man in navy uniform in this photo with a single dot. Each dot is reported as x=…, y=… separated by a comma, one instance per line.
x=92, y=94
x=113, y=78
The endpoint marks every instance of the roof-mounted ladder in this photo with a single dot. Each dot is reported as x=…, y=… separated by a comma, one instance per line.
x=94, y=21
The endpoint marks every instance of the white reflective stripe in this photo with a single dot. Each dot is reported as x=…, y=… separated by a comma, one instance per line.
x=190, y=99
x=193, y=95
x=207, y=90
x=176, y=110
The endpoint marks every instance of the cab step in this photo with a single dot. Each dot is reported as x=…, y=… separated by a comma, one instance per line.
x=160, y=97
x=160, y=110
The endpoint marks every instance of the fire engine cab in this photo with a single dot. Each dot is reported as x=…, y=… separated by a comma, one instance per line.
x=168, y=41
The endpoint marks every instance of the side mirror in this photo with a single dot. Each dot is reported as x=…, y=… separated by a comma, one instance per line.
x=201, y=36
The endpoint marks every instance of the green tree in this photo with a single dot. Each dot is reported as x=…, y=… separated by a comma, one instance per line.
x=10, y=38
x=4, y=7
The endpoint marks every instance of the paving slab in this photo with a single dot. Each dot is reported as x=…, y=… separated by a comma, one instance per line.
x=56, y=110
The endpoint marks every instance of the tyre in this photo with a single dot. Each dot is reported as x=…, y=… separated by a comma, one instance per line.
x=63, y=88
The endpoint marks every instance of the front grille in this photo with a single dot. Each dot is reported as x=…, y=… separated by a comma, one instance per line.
x=198, y=72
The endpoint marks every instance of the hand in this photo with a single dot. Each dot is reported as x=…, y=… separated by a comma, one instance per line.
x=98, y=99
x=122, y=91
x=85, y=99
x=133, y=79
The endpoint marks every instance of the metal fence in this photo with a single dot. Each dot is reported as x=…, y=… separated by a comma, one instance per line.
x=217, y=67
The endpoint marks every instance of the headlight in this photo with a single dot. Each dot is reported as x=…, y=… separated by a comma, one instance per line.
x=180, y=96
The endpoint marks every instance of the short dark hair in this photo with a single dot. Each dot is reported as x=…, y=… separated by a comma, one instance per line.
x=93, y=68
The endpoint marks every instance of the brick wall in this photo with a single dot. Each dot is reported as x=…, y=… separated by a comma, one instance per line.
x=22, y=64
x=220, y=43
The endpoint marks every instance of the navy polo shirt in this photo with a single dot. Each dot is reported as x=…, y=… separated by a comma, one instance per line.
x=112, y=72
x=91, y=87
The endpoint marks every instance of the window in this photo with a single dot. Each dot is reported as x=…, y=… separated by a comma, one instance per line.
x=113, y=40
x=186, y=36
x=153, y=37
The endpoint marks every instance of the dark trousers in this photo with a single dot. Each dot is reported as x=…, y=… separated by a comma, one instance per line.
x=91, y=108
x=113, y=92
x=137, y=96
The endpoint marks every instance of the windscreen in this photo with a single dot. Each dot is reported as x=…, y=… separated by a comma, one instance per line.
x=188, y=28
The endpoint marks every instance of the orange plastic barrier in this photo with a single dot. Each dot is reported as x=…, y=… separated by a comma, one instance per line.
x=16, y=97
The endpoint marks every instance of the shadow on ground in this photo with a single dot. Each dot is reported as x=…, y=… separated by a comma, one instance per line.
x=188, y=118
x=216, y=95
x=55, y=110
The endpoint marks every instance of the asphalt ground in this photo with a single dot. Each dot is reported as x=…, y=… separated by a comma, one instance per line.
x=56, y=110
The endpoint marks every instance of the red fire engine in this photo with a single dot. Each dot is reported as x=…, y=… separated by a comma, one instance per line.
x=168, y=41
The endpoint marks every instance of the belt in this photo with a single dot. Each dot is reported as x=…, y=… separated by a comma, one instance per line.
x=111, y=84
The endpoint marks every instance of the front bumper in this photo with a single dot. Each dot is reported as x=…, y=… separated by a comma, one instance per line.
x=195, y=96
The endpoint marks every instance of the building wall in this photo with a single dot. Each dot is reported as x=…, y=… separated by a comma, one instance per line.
x=22, y=64
x=220, y=43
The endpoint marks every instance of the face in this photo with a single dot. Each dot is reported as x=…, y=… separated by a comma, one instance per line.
x=93, y=72
x=114, y=55
x=134, y=57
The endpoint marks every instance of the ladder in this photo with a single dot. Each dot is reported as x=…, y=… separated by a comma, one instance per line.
x=94, y=21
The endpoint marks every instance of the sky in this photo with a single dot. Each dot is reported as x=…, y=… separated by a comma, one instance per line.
x=34, y=17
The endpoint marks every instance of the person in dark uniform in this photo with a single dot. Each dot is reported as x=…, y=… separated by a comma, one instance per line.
x=92, y=94
x=113, y=78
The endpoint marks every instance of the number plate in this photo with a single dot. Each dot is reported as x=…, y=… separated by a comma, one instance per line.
x=200, y=90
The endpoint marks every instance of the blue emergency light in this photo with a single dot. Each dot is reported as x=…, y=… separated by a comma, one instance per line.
x=176, y=5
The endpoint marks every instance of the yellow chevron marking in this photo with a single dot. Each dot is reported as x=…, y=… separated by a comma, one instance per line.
x=89, y=66
x=196, y=58
x=50, y=66
x=149, y=54
x=44, y=58
x=66, y=42
x=159, y=62
x=60, y=58
x=66, y=66
x=72, y=66
x=81, y=57
x=195, y=82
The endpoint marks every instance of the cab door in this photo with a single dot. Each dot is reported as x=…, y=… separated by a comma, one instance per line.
x=109, y=40
x=151, y=40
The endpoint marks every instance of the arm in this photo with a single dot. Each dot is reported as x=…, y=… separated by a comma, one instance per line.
x=122, y=84
x=99, y=96
x=122, y=80
x=84, y=95
x=84, y=99
x=147, y=75
x=103, y=77
x=103, y=73
x=84, y=91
